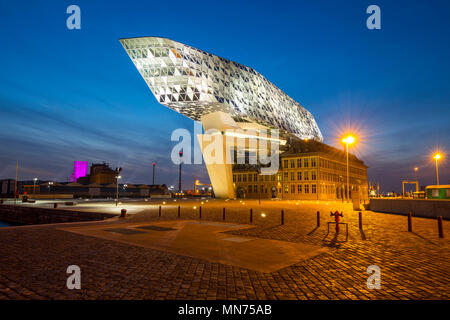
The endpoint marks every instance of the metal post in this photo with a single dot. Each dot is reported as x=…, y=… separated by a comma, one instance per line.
x=318, y=219
x=360, y=220
x=159, y=213
x=440, y=227
x=251, y=215
x=437, y=172
x=348, y=178
x=179, y=172
x=200, y=211
x=223, y=214
x=410, y=222
x=282, y=216
x=179, y=212
x=15, y=182
x=117, y=190
x=153, y=180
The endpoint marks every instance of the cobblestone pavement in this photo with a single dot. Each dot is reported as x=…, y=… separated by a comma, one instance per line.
x=414, y=265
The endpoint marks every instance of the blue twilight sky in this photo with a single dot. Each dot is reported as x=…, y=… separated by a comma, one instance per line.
x=70, y=95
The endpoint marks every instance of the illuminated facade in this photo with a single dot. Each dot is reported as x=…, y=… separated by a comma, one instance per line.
x=309, y=170
x=220, y=93
x=196, y=83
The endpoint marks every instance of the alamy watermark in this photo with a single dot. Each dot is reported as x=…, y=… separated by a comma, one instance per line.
x=232, y=146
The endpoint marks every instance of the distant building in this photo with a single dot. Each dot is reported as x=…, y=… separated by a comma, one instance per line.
x=100, y=173
x=80, y=170
x=309, y=170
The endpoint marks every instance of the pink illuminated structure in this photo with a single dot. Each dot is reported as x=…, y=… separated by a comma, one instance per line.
x=80, y=169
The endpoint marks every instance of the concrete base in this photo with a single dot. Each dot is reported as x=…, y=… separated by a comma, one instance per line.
x=421, y=208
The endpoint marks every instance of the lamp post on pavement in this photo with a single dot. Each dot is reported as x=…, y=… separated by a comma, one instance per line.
x=179, y=172
x=34, y=186
x=437, y=156
x=348, y=140
x=117, y=189
x=153, y=180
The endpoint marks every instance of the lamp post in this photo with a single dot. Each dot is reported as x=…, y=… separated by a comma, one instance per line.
x=117, y=189
x=179, y=172
x=348, y=140
x=437, y=156
x=153, y=180
x=34, y=186
x=415, y=173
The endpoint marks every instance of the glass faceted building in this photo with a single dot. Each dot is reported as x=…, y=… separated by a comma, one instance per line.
x=196, y=83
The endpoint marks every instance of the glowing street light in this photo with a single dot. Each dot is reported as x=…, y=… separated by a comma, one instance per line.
x=437, y=156
x=415, y=173
x=348, y=140
x=117, y=189
x=34, y=186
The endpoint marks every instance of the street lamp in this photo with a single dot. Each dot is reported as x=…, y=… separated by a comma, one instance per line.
x=348, y=140
x=179, y=172
x=117, y=189
x=153, y=180
x=34, y=186
x=415, y=173
x=437, y=156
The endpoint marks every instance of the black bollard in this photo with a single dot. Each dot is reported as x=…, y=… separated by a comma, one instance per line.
x=282, y=216
x=200, y=212
x=251, y=215
x=179, y=212
x=223, y=214
x=440, y=227
x=360, y=220
x=410, y=222
x=159, y=213
x=318, y=219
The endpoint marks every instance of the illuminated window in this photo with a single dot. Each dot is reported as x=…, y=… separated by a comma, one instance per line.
x=306, y=188
x=313, y=162
x=299, y=175
x=292, y=188
x=292, y=176
x=299, y=163
x=286, y=176
x=286, y=188
x=306, y=162
x=299, y=188
x=292, y=163
x=306, y=175
x=313, y=188
x=313, y=175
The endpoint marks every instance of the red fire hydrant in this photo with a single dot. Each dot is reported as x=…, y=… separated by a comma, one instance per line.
x=336, y=215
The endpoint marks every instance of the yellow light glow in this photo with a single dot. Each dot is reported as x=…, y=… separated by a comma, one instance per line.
x=263, y=215
x=437, y=156
x=349, y=139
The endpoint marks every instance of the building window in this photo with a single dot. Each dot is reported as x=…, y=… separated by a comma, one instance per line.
x=313, y=188
x=234, y=178
x=239, y=178
x=244, y=178
x=292, y=163
x=299, y=175
x=250, y=177
x=292, y=176
x=286, y=188
x=292, y=188
x=306, y=162
x=250, y=189
x=255, y=177
x=313, y=162
x=306, y=175
x=279, y=177
x=306, y=188
x=286, y=176
x=313, y=175
x=299, y=188
x=299, y=163
x=285, y=164
x=272, y=178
